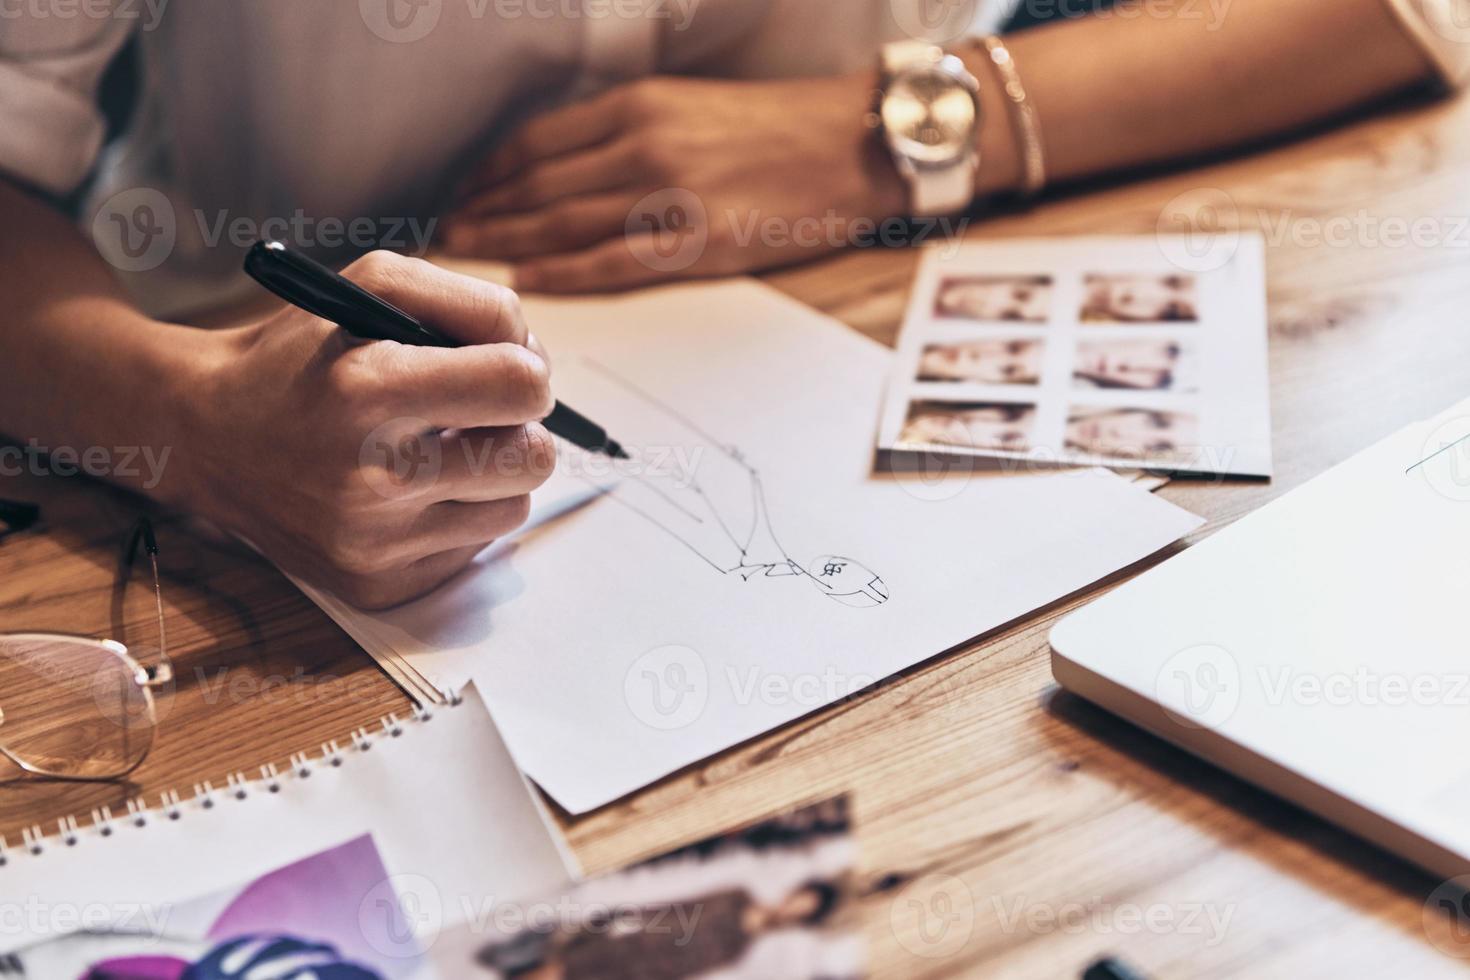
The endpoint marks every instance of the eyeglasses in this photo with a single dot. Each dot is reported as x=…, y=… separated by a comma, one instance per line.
x=79, y=708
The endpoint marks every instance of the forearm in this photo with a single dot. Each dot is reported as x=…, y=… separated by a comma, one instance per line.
x=84, y=367
x=1127, y=88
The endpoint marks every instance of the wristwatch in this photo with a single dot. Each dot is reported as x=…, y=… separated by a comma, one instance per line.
x=929, y=112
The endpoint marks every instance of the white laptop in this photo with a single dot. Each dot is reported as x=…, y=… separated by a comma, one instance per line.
x=1319, y=647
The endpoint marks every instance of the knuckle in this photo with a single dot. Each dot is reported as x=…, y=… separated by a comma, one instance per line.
x=532, y=188
x=641, y=95
x=610, y=263
x=719, y=235
x=371, y=592
x=656, y=160
x=508, y=515
x=530, y=378
x=522, y=455
x=378, y=268
x=512, y=452
x=507, y=301
x=569, y=224
x=359, y=377
x=558, y=225
x=512, y=155
x=507, y=306
x=725, y=261
x=348, y=551
x=540, y=452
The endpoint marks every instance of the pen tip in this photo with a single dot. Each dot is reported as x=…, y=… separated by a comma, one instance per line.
x=613, y=449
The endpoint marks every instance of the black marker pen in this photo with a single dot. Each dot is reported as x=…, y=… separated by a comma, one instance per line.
x=313, y=287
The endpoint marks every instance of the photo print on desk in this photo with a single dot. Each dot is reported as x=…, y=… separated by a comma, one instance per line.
x=1091, y=351
x=774, y=899
x=331, y=916
x=1019, y=298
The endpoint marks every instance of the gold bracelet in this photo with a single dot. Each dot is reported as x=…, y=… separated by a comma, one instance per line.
x=1024, y=120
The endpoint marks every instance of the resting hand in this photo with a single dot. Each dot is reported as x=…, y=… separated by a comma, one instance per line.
x=760, y=173
x=376, y=470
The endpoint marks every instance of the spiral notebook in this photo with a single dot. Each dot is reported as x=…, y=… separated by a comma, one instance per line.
x=451, y=816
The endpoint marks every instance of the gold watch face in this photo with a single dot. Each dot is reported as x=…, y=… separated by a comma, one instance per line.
x=929, y=115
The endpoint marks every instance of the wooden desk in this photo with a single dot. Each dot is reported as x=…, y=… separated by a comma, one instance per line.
x=1058, y=832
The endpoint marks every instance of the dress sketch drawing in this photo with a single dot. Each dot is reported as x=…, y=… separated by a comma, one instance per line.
x=707, y=495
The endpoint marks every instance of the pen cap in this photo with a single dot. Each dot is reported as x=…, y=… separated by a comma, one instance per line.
x=305, y=283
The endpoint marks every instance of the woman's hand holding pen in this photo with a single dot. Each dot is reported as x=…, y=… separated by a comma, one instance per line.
x=375, y=470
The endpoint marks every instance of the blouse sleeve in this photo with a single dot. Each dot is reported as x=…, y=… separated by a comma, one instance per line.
x=1441, y=28
x=51, y=128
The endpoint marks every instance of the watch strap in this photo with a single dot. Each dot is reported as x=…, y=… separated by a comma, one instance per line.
x=936, y=192
x=898, y=55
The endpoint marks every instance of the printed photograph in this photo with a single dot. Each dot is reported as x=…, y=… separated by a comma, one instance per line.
x=316, y=919
x=1139, y=298
x=1132, y=433
x=1025, y=299
x=772, y=900
x=1140, y=364
x=969, y=425
x=996, y=362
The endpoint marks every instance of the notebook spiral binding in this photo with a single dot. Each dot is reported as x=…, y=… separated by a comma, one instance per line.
x=172, y=805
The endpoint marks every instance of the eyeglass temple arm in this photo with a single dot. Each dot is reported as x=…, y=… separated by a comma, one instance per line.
x=163, y=672
x=17, y=515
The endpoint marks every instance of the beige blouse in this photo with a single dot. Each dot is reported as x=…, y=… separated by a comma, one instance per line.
x=270, y=107
x=1442, y=29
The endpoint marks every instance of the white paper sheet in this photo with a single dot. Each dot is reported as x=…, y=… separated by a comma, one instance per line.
x=426, y=796
x=1141, y=351
x=623, y=635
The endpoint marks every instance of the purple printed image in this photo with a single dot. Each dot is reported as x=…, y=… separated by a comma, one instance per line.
x=331, y=916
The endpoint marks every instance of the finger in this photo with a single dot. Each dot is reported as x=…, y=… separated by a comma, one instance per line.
x=419, y=577
x=603, y=167
x=469, y=310
x=450, y=388
x=492, y=464
x=563, y=227
x=618, y=263
x=539, y=349
x=550, y=134
x=453, y=525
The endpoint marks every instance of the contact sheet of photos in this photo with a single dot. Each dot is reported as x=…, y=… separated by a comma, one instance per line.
x=1137, y=351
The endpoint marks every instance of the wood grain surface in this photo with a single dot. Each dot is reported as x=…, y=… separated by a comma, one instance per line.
x=1007, y=829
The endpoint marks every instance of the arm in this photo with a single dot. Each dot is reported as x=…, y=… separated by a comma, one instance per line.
x=84, y=367
x=1115, y=93
x=1112, y=91
x=373, y=470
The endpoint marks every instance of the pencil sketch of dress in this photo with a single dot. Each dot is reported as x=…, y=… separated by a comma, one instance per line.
x=708, y=496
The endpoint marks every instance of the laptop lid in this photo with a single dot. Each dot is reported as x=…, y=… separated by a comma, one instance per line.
x=1319, y=647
